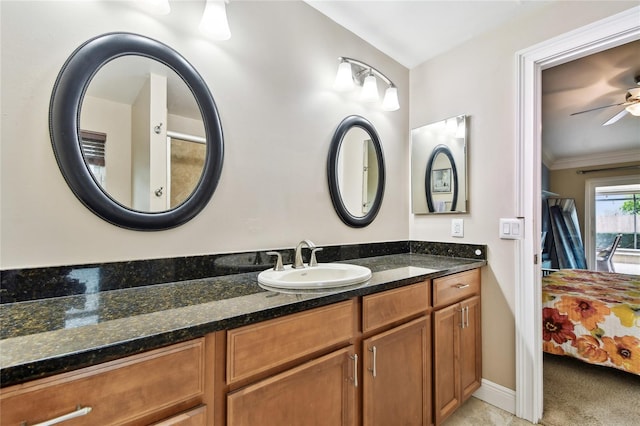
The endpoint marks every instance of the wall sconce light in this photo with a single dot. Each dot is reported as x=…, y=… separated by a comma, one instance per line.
x=352, y=71
x=214, y=23
x=159, y=7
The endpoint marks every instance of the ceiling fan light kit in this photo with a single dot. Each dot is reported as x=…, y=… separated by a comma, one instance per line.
x=631, y=105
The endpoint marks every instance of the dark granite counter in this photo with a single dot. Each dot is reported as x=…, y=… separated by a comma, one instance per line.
x=44, y=337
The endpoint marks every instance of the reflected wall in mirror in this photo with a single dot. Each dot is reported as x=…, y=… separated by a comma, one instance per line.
x=355, y=169
x=439, y=167
x=156, y=150
x=136, y=132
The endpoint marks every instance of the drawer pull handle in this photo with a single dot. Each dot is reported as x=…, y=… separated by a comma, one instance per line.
x=375, y=356
x=80, y=411
x=461, y=286
x=355, y=369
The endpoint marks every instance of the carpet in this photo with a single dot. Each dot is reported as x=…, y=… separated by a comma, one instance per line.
x=577, y=393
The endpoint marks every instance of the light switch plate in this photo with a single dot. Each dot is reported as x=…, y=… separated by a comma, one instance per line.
x=511, y=229
x=457, y=228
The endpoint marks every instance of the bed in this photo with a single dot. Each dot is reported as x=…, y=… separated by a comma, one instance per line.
x=592, y=316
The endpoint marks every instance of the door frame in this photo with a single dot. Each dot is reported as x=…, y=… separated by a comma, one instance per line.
x=607, y=33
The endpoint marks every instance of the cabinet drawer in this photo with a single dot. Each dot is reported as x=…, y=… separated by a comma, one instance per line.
x=118, y=392
x=453, y=288
x=195, y=417
x=264, y=346
x=394, y=305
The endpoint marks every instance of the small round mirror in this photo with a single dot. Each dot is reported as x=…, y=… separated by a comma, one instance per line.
x=355, y=169
x=441, y=180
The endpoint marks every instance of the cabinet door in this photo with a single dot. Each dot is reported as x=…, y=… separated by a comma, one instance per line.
x=446, y=373
x=396, y=376
x=319, y=392
x=470, y=347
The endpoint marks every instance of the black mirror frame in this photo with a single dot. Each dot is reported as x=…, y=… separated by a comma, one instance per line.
x=64, y=121
x=332, y=171
x=441, y=149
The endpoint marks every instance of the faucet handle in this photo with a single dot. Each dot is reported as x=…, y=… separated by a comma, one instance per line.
x=278, y=266
x=312, y=260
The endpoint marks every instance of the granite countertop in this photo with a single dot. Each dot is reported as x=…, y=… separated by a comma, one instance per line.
x=44, y=337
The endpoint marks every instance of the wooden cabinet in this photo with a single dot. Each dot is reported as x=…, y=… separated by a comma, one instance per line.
x=396, y=381
x=396, y=378
x=318, y=392
x=294, y=370
x=167, y=383
x=365, y=361
x=457, y=352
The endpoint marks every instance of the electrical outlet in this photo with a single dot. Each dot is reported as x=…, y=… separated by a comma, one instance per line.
x=457, y=228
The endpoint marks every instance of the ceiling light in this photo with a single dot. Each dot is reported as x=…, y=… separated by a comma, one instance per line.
x=159, y=7
x=214, y=21
x=351, y=70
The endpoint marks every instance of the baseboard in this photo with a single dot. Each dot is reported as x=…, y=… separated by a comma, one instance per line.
x=497, y=395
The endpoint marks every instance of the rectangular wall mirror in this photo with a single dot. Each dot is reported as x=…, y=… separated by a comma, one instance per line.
x=439, y=167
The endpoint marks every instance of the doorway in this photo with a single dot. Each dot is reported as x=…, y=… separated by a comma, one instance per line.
x=605, y=34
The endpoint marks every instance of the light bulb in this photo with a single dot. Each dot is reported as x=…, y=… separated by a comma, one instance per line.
x=214, y=21
x=370, y=89
x=634, y=109
x=390, y=101
x=344, y=77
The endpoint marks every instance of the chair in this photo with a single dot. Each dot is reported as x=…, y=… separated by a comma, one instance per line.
x=604, y=257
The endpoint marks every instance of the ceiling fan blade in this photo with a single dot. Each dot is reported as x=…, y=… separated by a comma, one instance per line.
x=616, y=117
x=597, y=108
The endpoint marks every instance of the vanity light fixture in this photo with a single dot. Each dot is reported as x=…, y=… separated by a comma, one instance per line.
x=214, y=21
x=159, y=7
x=351, y=71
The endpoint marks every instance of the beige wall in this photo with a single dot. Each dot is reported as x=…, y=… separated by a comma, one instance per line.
x=272, y=82
x=567, y=183
x=478, y=79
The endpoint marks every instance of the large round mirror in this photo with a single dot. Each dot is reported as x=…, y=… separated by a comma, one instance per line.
x=136, y=132
x=356, y=173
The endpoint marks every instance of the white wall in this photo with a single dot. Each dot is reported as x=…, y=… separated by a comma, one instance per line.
x=272, y=82
x=478, y=79
x=113, y=119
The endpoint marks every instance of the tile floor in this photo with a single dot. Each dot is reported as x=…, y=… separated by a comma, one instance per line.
x=478, y=413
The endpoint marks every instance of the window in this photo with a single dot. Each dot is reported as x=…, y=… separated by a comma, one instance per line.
x=617, y=210
x=93, y=149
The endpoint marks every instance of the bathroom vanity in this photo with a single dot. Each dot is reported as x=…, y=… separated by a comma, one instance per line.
x=403, y=348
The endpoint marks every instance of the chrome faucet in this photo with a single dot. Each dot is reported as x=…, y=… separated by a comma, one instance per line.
x=297, y=262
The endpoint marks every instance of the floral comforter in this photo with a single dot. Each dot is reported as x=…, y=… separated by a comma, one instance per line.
x=593, y=316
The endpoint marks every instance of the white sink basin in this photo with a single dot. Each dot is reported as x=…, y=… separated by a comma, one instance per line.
x=325, y=275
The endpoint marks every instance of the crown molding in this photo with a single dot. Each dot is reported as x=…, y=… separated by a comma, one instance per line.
x=595, y=160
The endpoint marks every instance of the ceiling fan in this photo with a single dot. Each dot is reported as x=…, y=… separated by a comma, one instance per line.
x=631, y=105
